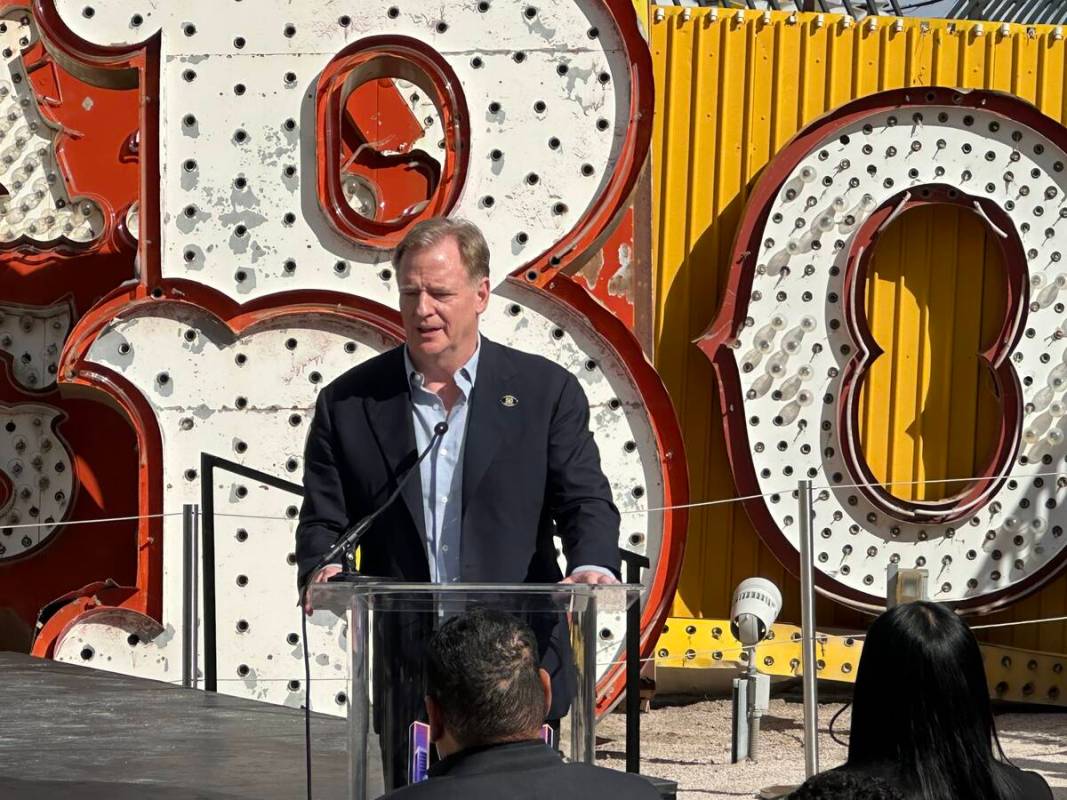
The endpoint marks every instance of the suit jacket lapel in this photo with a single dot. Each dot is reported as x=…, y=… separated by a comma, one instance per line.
x=487, y=428
x=389, y=416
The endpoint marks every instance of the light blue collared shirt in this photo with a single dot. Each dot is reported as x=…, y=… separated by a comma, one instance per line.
x=442, y=470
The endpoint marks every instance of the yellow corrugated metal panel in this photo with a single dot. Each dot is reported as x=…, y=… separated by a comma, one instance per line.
x=1015, y=675
x=732, y=88
x=642, y=9
x=935, y=299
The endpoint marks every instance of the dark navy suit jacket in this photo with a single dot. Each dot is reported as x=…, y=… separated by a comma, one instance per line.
x=523, y=771
x=530, y=469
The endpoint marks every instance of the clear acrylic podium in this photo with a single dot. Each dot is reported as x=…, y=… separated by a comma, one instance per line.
x=389, y=625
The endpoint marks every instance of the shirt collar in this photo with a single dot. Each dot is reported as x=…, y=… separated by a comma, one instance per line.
x=464, y=376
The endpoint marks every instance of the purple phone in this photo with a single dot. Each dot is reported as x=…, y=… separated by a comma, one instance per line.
x=548, y=735
x=418, y=752
x=419, y=749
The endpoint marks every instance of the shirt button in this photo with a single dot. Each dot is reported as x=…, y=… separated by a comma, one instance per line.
x=444, y=498
x=444, y=451
x=444, y=548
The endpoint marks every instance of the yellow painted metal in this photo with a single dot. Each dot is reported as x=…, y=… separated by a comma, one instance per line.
x=707, y=643
x=732, y=88
x=642, y=9
x=1024, y=676
x=928, y=407
x=1015, y=675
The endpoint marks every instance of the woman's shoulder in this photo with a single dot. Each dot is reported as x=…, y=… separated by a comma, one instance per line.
x=1025, y=785
x=879, y=770
x=847, y=782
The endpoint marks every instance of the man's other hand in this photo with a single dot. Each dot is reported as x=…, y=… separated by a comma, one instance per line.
x=321, y=576
x=590, y=576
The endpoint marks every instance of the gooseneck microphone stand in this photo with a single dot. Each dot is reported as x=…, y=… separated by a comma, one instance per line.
x=347, y=544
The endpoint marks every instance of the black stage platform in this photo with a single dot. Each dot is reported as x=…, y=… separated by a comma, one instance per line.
x=81, y=734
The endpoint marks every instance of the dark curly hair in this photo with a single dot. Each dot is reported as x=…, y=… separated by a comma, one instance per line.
x=841, y=785
x=482, y=669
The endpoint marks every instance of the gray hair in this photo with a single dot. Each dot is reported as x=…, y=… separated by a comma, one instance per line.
x=473, y=250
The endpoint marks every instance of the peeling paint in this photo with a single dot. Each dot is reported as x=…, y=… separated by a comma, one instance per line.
x=590, y=271
x=39, y=467
x=573, y=103
x=621, y=283
x=32, y=337
x=212, y=402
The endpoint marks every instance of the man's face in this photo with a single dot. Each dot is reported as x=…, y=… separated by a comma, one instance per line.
x=440, y=305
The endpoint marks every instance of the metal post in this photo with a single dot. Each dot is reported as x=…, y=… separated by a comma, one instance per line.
x=360, y=620
x=190, y=520
x=740, y=740
x=207, y=498
x=751, y=699
x=633, y=675
x=583, y=732
x=208, y=464
x=755, y=713
x=807, y=631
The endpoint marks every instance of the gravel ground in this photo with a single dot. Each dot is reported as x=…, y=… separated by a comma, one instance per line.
x=689, y=742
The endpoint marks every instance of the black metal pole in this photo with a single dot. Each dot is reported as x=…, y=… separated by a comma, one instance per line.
x=208, y=464
x=633, y=563
x=189, y=595
x=207, y=549
x=633, y=676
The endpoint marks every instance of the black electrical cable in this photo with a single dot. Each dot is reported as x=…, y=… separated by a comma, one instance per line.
x=307, y=698
x=833, y=719
x=349, y=542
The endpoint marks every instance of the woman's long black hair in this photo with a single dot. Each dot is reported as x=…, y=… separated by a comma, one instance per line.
x=921, y=705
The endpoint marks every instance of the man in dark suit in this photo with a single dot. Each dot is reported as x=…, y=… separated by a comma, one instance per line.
x=486, y=698
x=516, y=466
x=488, y=501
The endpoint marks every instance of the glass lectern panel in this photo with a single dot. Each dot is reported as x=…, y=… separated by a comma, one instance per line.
x=389, y=626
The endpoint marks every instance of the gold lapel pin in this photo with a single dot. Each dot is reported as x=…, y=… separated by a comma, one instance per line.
x=509, y=401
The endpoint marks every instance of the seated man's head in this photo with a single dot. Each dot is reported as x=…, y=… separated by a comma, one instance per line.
x=484, y=682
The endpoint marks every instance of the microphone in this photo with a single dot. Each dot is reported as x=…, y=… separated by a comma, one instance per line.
x=354, y=534
x=351, y=540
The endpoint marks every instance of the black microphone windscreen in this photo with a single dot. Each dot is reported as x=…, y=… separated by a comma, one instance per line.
x=440, y=429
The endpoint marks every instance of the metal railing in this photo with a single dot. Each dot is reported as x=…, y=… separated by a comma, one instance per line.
x=205, y=515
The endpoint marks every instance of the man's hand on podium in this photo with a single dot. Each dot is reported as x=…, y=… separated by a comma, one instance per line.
x=590, y=576
x=321, y=576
